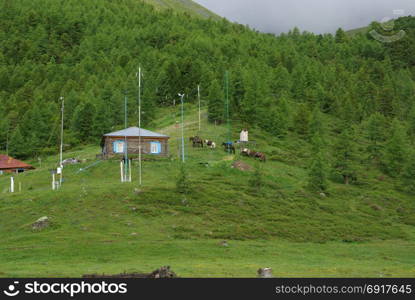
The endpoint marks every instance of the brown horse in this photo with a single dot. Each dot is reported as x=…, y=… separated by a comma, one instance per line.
x=261, y=156
x=197, y=141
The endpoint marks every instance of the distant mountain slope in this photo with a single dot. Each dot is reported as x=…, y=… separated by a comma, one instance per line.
x=353, y=32
x=183, y=6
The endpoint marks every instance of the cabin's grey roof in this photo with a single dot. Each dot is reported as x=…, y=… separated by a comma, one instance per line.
x=135, y=132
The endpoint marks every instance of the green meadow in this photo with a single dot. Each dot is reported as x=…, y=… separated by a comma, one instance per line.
x=100, y=225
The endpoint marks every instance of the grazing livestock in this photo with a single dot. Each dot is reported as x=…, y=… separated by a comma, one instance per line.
x=210, y=144
x=254, y=154
x=229, y=147
x=197, y=141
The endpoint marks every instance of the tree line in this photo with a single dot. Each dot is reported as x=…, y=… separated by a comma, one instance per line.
x=337, y=91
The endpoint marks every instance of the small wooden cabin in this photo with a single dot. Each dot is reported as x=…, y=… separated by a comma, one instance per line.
x=152, y=143
x=11, y=165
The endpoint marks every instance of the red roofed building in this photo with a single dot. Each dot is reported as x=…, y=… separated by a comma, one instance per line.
x=9, y=164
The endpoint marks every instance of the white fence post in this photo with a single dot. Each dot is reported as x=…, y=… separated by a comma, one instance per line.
x=12, y=184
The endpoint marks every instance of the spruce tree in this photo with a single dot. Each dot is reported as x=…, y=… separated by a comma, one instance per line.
x=396, y=150
x=215, y=103
x=17, y=144
x=344, y=155
x=102, y=122
x=317, y=175
x=316, y=126
x=183, y=183
x=82, y=121
x=341, y=36
x=302, y=119
x=408, y=175
x=4, y=132
x=256, y=181
x=411, y=120
x=376, y=127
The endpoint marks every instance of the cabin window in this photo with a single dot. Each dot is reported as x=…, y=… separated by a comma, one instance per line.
x=155, y=147
x=118, y=146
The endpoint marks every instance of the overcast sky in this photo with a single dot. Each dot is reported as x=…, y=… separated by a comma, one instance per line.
x=319, y=16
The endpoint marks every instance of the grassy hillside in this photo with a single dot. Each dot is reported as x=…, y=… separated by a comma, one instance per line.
x=334, y=114
x=188, y=6
x=102, y=225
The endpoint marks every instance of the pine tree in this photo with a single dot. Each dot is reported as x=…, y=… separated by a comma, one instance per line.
x=396, y=150
x=256, y=181
x=82, y=121
x=276, y=119
x=411, y=120
x=376, y=127
x=302, y=119
x=215, y=103
x=4, y=132
x=102, y=122
x=316, y=126
x=183, y=184
x=17, y=144
x=344, y=155
x=341, y=36
x=408, y=175
x=317, y=176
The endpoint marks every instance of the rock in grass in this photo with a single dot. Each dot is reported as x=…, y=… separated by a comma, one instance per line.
x=163, y=272
x=265, y=273
x=41, y=223
x=224, y=244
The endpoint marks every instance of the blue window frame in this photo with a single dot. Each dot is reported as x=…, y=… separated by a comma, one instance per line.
x=155, y=148
x=118, y=147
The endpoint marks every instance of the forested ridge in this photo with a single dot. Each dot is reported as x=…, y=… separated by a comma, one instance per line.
x=351, y=98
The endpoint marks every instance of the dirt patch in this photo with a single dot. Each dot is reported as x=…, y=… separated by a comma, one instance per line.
x=240, y=165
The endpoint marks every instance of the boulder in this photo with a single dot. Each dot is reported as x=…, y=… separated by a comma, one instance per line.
x=224, y=244
x=163, y=272
x=265, y=273
x=41, y=223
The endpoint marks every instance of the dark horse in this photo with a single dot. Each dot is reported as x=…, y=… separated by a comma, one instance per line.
x=229, y=147
x=197, y=141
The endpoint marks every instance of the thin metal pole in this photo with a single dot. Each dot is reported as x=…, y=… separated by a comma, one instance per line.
x=61, y=150
x=125, y=139
x=139, y=127
x=122, y=171
x=227, y=106
x=198, y=95
x=7, y=142
x=183, y=156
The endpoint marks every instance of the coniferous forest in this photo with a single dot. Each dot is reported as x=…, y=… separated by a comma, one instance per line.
x=350, y=97
x=324, y=187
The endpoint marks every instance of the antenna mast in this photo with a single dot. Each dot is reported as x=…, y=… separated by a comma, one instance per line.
x=198, y=96
x=61, y=148
x=127, y=166
x=139, y=125
x=182, y=109
x=229, y=137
